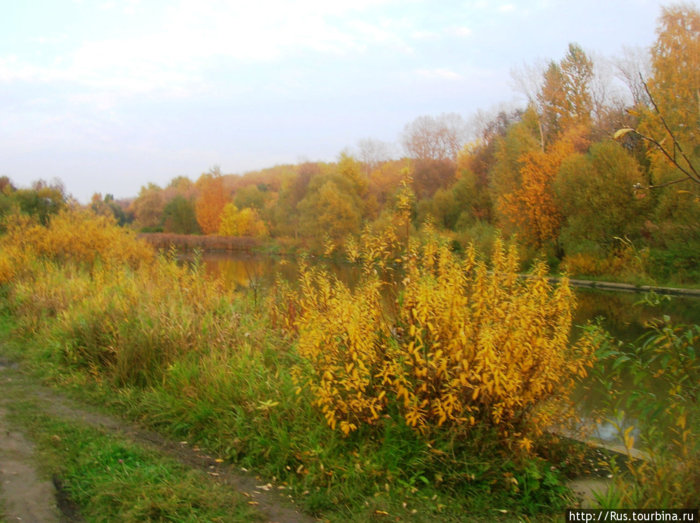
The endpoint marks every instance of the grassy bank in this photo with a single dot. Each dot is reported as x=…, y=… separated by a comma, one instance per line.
x=243, y=408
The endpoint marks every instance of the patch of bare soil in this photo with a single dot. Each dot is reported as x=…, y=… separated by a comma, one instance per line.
x=268, y=498
x=26, y=496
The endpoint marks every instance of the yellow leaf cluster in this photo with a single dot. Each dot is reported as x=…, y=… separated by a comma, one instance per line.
x=243, y=222
x=625, y=259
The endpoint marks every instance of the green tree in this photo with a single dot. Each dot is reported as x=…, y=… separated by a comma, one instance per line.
x=285, y=217
x=42, y=200
x=596, y=196
x=331, y=211
x=251, y=196
x=179, y=216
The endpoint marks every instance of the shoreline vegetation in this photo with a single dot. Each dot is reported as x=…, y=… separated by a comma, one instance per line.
x=187, y=243
x=423, y=401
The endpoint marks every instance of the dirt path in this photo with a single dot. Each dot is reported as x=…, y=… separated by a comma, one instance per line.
x=26, y=497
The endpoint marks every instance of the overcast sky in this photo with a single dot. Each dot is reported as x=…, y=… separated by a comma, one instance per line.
x=109, y=95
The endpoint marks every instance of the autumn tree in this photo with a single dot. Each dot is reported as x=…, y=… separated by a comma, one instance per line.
x=432, y=175
x=372, y=153
x=251, y=196
x=330, y=210
x=670, y=124
x=108, y=206
x=6, y=185
x=243, y=222
x=148, y=207
x=286, y=215
x=384, y=180
x=670, y=127
x=210, y=202
x=521, y=137
x=531, y=208
x=42, y=200
x=442, y=210
x=6, y=190
x=631, y=68
x=564, y=99
x=596, y=197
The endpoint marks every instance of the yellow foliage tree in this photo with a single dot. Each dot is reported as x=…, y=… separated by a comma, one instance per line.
x=673, y=120
x=244, y=222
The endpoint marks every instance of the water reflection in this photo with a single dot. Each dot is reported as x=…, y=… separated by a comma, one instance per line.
x=625, y=315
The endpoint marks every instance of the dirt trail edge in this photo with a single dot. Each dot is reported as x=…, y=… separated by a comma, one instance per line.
x=41, y=497
x=26, y=496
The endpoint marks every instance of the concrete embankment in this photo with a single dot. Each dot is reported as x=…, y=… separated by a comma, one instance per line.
x=626, y=287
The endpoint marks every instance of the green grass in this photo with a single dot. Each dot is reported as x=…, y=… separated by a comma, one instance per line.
x=244, y=408
x=110, y=478
x=209, y=368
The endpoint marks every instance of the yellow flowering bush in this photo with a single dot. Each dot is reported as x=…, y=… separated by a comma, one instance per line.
x=462, y=344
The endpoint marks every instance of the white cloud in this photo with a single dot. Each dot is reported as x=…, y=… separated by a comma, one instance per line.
x=422, y=34
x=462, y=32
x=439, y=73
x=192, y=39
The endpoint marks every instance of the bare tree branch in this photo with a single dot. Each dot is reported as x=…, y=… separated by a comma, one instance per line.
x=690, y=172
x=694, y=176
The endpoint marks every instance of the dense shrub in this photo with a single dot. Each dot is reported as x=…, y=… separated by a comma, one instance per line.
x=461, y=345
x=72, y=235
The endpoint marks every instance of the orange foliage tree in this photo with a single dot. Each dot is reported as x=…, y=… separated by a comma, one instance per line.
x=532, y=206
x=211, y=202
